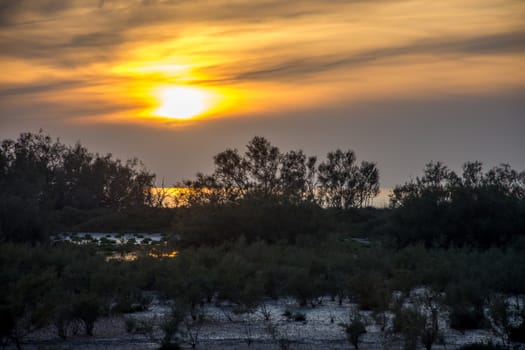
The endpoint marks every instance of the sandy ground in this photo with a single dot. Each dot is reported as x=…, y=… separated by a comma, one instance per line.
x=226, y=330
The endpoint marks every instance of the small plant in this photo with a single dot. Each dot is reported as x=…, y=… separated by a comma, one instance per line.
x=170, y=327
x=105, y=241
x=282, y=339
x=409, y=322
x=294, y=316
x=299, y=317
x=193, y=325
x=354, y=329
x=419, y=322
x=131, y=325
x=264, y=310
x=87, y=309
x=507, y=320
x=288, y=314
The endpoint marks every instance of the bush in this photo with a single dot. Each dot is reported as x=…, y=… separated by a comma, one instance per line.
x=294, y=316
x=466, y=299
x=464, y=317
x=253, y=218
x=87, y=308
x=354, y=329
x=21, y=220
x=517, y=334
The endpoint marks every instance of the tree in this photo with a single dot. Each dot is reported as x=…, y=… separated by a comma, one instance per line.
x=367, y=184
x=434, y=185
x=86, y=308
x=27, y=307
x=39, y=175
x=344, y=184
x=441, y=208
x=231, y=172
x=297, y=176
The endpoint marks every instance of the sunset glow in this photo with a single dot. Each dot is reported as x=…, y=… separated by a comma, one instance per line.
x=182, y=102
x=187, y=78
x=294, y=57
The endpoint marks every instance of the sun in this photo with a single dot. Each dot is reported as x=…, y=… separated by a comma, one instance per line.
x=181, y=102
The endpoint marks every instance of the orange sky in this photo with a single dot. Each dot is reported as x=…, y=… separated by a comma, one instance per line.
x=68, y=64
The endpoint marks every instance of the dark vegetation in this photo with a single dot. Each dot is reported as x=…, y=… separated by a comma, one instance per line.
x=264, y=224
x=475, y=209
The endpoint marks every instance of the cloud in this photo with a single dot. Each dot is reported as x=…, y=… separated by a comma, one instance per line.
x=144, y=12
x=104, y=45
x=96, y=39
x=501, y=43
x=65, y=33
x=34, y=88
x=15, y=12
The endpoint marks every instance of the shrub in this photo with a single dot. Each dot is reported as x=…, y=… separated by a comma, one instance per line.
x=355, y=328
x=464, y=317
x=517, y=334
x=294, y=316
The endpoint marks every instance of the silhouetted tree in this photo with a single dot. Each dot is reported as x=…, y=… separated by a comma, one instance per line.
x=263, y=164
x=297, y=176
x=231, y=172
x=367, y=184
x=344, y=184
x=477, y=208
x=39, y=175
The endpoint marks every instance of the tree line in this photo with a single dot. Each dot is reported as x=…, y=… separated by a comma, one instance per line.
x=40, y=176
x=261, y=193
x=263, y=171
x=442, y=208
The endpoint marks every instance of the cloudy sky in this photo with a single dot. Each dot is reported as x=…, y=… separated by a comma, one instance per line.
x=175, y=82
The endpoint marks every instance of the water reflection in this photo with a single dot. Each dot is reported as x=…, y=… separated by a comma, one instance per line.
x=156, y=254
x=120, y=246
x=131, y=256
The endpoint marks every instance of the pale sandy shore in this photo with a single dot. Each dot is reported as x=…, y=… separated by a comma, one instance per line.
x=224, y=330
